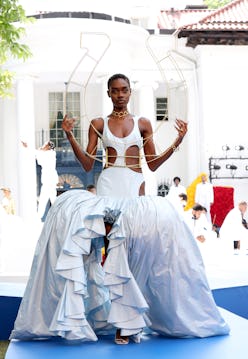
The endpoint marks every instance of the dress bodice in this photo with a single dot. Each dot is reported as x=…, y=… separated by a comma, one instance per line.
x=121, y=144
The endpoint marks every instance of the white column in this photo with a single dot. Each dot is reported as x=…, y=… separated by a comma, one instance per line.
x=193, y=137
x=27, y=197
x=144, y=106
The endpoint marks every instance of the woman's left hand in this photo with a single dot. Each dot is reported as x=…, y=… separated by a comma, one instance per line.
x=68, y=123
x=182, y=127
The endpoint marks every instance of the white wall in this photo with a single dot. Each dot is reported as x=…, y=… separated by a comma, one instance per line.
x=8, y=145
x=223, y=77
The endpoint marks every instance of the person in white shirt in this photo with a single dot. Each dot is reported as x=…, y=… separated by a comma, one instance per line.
x=201, y=228
x=234, y=228
x=175, y=190
x=194, y=218
x=204, y=194
x=46, y=158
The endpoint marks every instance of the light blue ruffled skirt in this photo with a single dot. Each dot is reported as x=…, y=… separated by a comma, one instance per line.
x=153, y=276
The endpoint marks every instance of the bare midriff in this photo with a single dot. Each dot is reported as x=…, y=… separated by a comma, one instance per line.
x=132, y=158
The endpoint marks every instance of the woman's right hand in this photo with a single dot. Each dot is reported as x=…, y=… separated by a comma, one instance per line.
x=68, y=124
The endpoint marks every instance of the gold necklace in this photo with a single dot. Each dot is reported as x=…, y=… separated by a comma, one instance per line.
x=119, y=114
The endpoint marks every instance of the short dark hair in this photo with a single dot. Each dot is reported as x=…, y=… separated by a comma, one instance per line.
x=118, y=76
x=90, y=186
x=51, y=145
x=197, y=207
x=177, y=178
x=183, y=196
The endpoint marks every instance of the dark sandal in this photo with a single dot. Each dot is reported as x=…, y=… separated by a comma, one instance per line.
x=119, y=339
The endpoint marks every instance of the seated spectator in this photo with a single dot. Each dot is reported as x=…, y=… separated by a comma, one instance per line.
x=183, y=199
x=233, y=229
x=194, y=219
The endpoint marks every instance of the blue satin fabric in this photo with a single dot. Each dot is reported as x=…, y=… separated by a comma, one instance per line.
x=153, y=276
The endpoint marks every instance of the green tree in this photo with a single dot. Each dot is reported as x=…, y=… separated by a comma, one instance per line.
x=215, y=4
x=12, y=15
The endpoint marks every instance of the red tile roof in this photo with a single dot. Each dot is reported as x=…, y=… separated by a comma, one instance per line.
x=173, y=19
x=233, y=16
x=225, y=26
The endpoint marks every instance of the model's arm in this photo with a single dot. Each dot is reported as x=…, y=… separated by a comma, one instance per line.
x=86, y=158
x=154, y=161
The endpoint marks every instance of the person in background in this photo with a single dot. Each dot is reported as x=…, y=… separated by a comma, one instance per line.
x=234, y=228
x=196, y=223
x=206, y=237
x=175, y=190
x=204, y=194
x=183, y=199
x=46, y=158
x=8, y=202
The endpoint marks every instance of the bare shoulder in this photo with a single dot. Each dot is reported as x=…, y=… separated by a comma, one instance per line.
x=97, y=124
x=145, y=124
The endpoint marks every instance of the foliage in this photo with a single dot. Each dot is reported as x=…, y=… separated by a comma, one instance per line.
x=12, y=15
x=215, y=4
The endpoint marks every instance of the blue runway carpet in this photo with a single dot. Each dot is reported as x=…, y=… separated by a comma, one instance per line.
x=233, y=346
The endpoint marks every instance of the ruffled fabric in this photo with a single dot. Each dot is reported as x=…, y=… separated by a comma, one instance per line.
x=166, y=262
x=153, y=275
x=66, y=294
x=68, y=252
x=128, y=305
